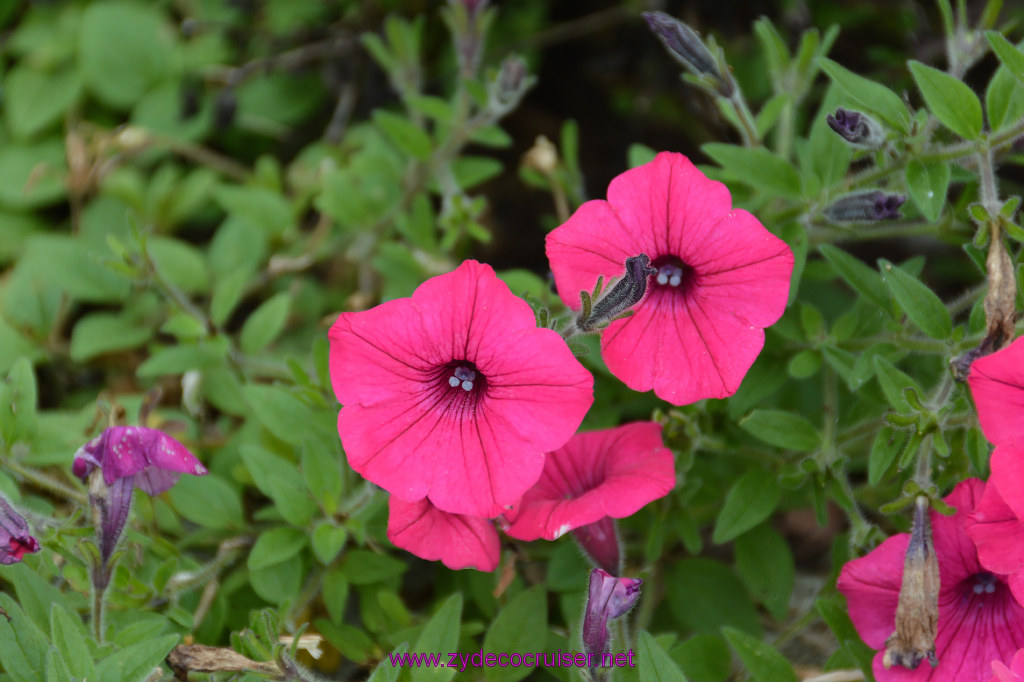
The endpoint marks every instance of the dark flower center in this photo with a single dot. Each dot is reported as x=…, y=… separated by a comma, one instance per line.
x=982, y=588
x=460, y=386
x=673, y=274
x=984, y=583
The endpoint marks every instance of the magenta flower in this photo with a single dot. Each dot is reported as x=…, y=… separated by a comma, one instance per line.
x=455, y=394
x=997, y=384
x=1013, y=673
x=150, y=457
x=997, y=524
x=15, y=541
x=722, y=278
x=979, y=620
x=596, y=475
x=608, y=598
x=455, y=540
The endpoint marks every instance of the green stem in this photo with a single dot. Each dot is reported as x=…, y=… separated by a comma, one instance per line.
x=41, y=480
x=748, y=128
x=97, y=609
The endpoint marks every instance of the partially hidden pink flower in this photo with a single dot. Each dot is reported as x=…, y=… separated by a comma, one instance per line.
x=151, y=458
x=997, y=524
x=455, y=394
x=456, y=540
x=979, y=620
x=597, y=474
x=15, y=540
x=722, y=278
x=997, y=384
x=1013, y=673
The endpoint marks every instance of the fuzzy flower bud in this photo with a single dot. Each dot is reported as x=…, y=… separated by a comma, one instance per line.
x=626, y=293
x=917, y=615
x=15, y=541
x=865, y=207
x=683, y=43
x=608, y=598
x=600, y=542
x=857, y=128
x=510, y=84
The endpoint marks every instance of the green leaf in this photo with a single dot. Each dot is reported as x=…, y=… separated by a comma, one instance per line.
x=1004, y=99
x=441, y=633
x=56, y=667
x=834, y=612
x=256, y=206
x=888, y=443
x=33, y=175
x=758, y=168
x=521, y=626
x=950, y=99
x=265, y=323
x=276, y=545
x=35, y=100
x=782, y=429
x=920, y=303
x=385, y=671
x=18, y=403
x=279, y=582
x=137, y=661
x=321, y=469
x=868, y=94
x=854, y=272
x=707, y=595
x=749, y=502
x=638, y=154
x=353, y=643
x=99, y=333
x=764, y=662
x=928, y=185
x=766, y=565
x=470, y=171
x=123, y=50
x=226, y=295
x=23, y=645
x=1010, y=56
x=406, y=135
x=180, y=263
x=208, y=501
x=69, y=638
x=279, y=480
x=893, y=383
x=653, y=663
x=361, y=567
x=328, y=540
x=704, y=658
x=180, y=359
x=280, y=412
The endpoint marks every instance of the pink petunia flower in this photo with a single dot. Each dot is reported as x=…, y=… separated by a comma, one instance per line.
x=997, y=384
x=722, y=278
x=979, y=620
x=1013, y=673
x=151, y=458
x=15, y=540
x=594, y=478
x=455, y=394
x=458, y=541
x=997, y=524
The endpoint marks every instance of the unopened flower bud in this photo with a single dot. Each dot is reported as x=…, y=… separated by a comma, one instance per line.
x=542, y=156
x=600, y=542
x=683, y=43
x=865, y=207
x=15, y=541
x=626, y=293
x=608, y=598
x=509, y=86
x=917, y=614
x=110, y=506
x=857, y=128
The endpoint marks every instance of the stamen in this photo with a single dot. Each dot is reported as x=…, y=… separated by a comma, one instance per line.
x=453, y=382
x=670, y=274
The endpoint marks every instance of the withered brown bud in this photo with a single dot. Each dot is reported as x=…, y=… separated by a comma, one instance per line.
x=917, y=615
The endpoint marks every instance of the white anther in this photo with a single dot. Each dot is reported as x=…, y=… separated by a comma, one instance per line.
x=453, y=382
x=990, y=588
x=662, y=277
x=675, y=280
x=979, y=588
x=467, y=385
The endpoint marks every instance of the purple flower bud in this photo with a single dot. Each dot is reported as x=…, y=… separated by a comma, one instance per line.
x=857, y=128
x=608, y=598
x=15, y=541
x=150, y=457
x=683, y=43
x=110, y=506
x=626, y=293
x=865, y=207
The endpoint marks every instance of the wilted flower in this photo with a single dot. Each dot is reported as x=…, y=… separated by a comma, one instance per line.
x=857, y=128
x=979, y=620
x=594, y=478
x=608, y=598
x=683, y=43
x=455, y=394
x=15, y=540
x=455, y=540
x=722, y=277
x=622, y=296
x=865, y=207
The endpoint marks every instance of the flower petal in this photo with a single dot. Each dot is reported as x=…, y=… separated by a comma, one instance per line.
x=456, y=540
x=997, y=384
x=871, y=586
